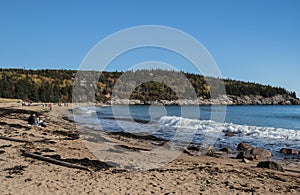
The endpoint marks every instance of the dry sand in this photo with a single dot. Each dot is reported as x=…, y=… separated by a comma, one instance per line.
x=184, y=175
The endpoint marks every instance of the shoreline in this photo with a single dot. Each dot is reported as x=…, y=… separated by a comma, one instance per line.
x=229, y=138
x=185, y=174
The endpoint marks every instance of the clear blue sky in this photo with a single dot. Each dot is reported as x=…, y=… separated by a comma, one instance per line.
x=251, y=40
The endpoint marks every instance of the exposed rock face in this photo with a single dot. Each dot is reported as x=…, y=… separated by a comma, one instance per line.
x=289, y=151
x=270, y=165
x=261, y=153
x=252, y=100
x=221, y=100
x=125, y=102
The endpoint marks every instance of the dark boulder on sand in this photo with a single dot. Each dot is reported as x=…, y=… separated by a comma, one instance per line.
x=244, y=146
x=244, y=155
x=228, y=150
x=194, y=148
x=270, y=165
x=289, y=151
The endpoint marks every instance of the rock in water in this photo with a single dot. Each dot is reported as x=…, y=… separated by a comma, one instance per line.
x=229, y=134
x=262, y=153
x=244, y=146
x=289, y=151
x=270, y=165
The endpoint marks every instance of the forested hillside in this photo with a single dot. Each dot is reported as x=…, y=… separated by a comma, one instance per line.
x=57, y=85
x=37, y=85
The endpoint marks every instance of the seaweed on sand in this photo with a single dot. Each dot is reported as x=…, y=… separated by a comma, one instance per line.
x=16, y=170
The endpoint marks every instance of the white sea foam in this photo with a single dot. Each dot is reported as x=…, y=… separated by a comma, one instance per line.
x=205, y=126
x=87, y=110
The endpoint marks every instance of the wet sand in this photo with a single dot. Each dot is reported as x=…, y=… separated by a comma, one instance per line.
x=60, y=140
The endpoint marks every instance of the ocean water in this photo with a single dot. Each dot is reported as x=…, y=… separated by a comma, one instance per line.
x=269, y=127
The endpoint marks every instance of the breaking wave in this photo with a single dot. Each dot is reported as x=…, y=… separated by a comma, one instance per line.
x=204, y=126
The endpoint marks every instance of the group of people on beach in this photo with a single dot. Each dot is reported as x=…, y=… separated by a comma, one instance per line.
x=50, y=106
x=34, y=120
x=47, y=106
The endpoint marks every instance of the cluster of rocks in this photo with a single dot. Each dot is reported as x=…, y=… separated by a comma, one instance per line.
x=250, y=153
x=247, y=153
x=221, y=100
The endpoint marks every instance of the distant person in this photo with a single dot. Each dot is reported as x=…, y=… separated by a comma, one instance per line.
x=34, y=120
x=50, y=106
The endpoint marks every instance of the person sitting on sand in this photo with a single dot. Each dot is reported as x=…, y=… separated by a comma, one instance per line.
x=35, y=121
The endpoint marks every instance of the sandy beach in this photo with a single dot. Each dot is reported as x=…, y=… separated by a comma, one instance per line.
x=60, y=140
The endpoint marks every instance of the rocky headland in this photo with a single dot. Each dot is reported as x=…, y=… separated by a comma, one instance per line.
x=221, y=100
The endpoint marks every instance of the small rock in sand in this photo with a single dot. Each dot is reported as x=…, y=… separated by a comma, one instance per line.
x=245, y=160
